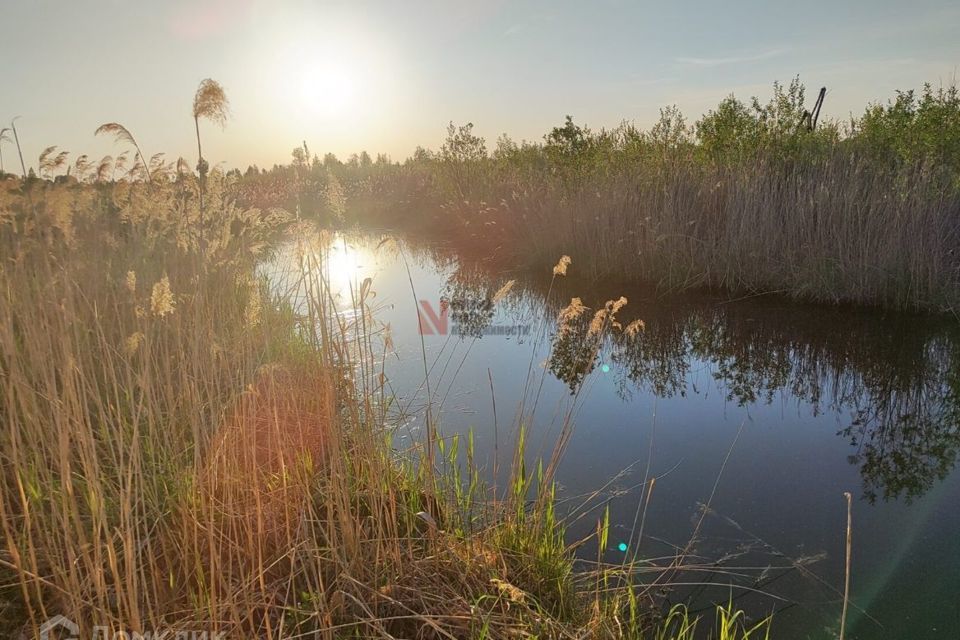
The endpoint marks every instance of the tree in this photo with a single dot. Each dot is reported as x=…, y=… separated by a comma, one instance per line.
x=461, y=155
x=422, y=155
x=461, y=145
x=671, y=130
x=735, y=130
x=911, y=128
x=300, y=157
x=506, y=147
x=728, y=129
x=568, y=140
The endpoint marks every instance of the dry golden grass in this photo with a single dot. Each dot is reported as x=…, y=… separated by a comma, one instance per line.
x=840, y=229
x=184, y=450
x=173, y=460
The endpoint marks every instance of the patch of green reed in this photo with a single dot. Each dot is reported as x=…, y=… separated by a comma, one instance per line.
x=748, y=198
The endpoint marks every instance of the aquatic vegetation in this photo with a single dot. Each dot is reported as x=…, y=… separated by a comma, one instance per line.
x=753, y=197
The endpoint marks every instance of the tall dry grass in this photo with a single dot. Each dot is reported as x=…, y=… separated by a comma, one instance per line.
x=835, y=229
x=185, y=449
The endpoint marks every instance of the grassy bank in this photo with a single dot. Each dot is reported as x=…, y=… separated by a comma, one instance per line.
x=184, y=449
x=753, y=197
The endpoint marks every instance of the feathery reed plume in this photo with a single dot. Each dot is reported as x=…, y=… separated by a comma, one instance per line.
x=183, y=167
x=156, y=162
x=606, y=315
x=49, y=162
x=503, y=291
x=138, y=168
x=634, y=328
x=81, y=166
x=161, y=298
x=568, y=314
x=120, y=164
x=45, y=155
x=4, y=137
x=122, y=134
x=561, y=267
x=253, y=311
x=104, y=168
x=209, y=102
x=132, y=343
x=16, y=138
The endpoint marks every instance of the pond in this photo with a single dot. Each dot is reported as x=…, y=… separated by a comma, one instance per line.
x=754, y=415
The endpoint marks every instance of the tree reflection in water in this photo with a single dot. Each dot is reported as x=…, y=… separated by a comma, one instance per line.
x=896, y=375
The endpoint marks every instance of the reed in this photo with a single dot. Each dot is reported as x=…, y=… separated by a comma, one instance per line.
x=122, y=134
x=190, y=448
x=4, y=137
x=187, y=448
x=744, y=200
x=211, y=103
x=849, y=549
x=16, y=139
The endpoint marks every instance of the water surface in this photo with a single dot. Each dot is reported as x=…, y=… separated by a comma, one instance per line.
x=755, y=415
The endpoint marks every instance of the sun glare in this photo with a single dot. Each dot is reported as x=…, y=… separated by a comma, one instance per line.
x=331, y=87
x=327, y=90
x=345, y=265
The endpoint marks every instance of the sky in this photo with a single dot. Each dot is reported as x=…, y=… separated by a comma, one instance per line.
x=388, y=76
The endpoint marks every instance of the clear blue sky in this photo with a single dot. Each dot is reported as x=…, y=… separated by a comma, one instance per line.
x=387, y=76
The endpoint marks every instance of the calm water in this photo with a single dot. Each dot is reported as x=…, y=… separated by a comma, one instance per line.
x=808, y=402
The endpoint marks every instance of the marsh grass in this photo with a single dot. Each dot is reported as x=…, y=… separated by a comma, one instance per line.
x=4, y=137
x=210, y=102
x=833, y=230
x=187, y=448
x=744, y=200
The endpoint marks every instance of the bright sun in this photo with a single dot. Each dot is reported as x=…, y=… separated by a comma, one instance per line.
x=345, y=265
x=327, y=90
